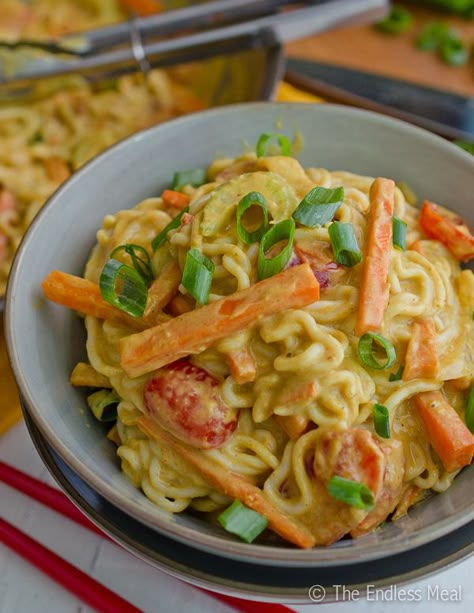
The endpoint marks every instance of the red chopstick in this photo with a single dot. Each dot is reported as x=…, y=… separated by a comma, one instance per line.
x=57, y=501
x=87, y=589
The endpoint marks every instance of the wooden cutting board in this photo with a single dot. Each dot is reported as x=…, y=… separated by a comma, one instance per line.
x=366, y=48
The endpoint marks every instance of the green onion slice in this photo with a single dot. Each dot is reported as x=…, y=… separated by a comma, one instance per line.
x=123, y=287
x=263, y=144
x=432, y=35
x=344, y=244
x=399, y=233
x=242, y=521
x=469, y=415
x=381, y=421
x=453, y=51
x=197, y=275
x=173, y=224
x=103, y=404
x=140, y=260
x=396, y=376
x=319, y=206
x=252, y=199
x=194, y=177
x=284, y=230
x=367, y=351
x=351, y=492
x=398, y=20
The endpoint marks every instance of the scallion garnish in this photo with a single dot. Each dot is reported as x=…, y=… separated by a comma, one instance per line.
x=197, y=275
x=453, y=51
x=173, y=224
x=368, y=345
x=319, y=206
x=103, y=404
x=396, y=376
x=344, y=244
x=194, y=177
x=398, y=20
x=432, y=35
x=381, y=421
x=267, y=267
x=123, y=287
x=469, y=414
x=248, y=201
x=140, y=259
x=263, y=144
x=351, y=492
x=399, y=233
x=242, y=521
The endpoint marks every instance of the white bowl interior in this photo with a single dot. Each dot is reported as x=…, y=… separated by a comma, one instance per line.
x=45, y=341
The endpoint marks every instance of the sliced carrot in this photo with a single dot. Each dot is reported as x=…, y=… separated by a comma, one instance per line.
x=232, y=485
x=84, y=296
x=197, y=330
x=374, y=293
x=162, y=290
x=242, y=365
x=142, y=7
x=293, y=425
x=85, y=375
x=448, y=228
x=179, y=304
x=421, y=360
x=176, y=199
x=447, y=433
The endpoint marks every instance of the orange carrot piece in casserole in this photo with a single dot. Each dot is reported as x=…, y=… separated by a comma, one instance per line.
x=162, y=290
x=176, y=199
x=448, y=228
x=84, y=296
x=143, y=8
x=242, y=366
x=421, y=359
x=293, y=425
x=232, y=485
x=447, y=433
x=197, y=330
x=373, y=298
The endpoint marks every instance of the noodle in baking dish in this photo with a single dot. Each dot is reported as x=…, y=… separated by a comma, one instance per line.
x=304, y=350
x=45, y=140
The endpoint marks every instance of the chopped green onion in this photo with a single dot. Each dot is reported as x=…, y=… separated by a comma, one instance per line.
x=351, y=492
x=381, y=421
x=123, y=287
x=396, y=376
x=454, y=52
x=398, y=20
x=399, y=233
x=103, y=404
x=194, y=177
x=173, y=224
x=244, y=522
x=140, y=260
x=367, y=351
x=469, y=415
x=248, y=201
x=464, y=144
x=319, y=206
x=432, y=35
x=344, y=244
x=197, y=275
x=263, y=144
x=267, y=267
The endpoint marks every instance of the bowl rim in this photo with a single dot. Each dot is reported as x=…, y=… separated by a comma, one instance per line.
x=334, y=555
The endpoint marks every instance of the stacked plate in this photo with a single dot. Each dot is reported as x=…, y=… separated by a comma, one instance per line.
x=46, y=341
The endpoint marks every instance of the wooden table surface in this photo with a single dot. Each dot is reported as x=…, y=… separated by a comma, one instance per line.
x=366, y=48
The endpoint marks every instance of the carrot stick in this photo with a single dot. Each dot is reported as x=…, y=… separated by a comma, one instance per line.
x=242, y=366
x=84, y=296
x=179, y=304
x=448, y=434
x=233, y=485
x=176, y=199
x=142, y=7
x=373, y=297
x=421, y=359
x=197, y=330
x=162, y=290
x=293, y=425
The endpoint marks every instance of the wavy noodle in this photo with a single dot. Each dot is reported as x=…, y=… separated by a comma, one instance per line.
x=313, y=345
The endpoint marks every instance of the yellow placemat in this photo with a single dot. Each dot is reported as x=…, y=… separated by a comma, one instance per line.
x=10, y=411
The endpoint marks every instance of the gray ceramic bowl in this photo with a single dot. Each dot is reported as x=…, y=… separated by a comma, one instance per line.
x=45, y=341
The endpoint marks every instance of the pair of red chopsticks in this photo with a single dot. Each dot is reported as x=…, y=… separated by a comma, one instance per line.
x=71, y=578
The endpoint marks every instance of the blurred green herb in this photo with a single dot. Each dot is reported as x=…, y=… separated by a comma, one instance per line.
x=397, y=21
x=464, y=144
